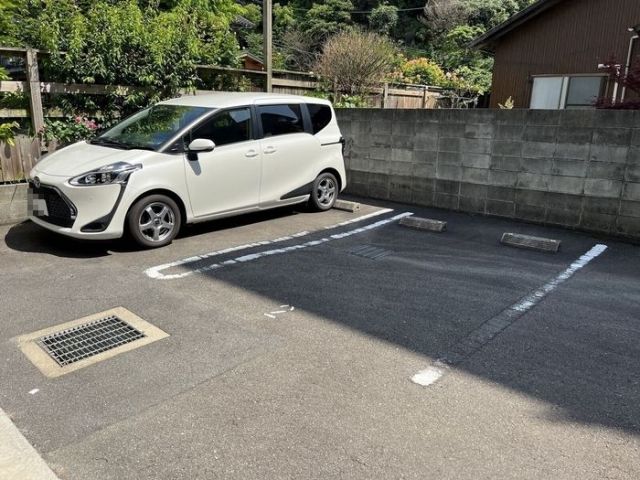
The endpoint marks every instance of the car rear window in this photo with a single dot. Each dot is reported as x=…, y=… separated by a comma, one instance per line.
x=281, y=119
x=320, y=116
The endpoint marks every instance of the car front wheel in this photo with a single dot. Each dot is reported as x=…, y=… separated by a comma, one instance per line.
x=154, y=221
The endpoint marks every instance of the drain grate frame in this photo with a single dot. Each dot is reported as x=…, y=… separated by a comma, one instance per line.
x=65, y=348
x=370, y=252
x=77, y=343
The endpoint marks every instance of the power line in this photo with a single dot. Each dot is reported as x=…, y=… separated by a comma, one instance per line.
x=397, y=10
x=281, y=44
x=364, y=11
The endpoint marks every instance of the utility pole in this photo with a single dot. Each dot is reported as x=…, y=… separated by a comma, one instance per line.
x=267, y=32
x=635, y=31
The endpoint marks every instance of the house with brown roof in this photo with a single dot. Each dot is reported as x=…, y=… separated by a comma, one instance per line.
x=555, y=54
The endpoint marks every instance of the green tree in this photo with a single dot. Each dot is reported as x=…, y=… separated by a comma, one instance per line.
x=323, y=20
x=383, y=18
x=489, y=13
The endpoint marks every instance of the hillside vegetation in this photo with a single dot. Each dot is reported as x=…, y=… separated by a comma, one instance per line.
x=158, y=44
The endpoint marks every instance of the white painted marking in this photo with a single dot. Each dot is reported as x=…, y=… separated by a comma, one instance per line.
x=360, y=218
x=532, y=299
x=429, y=375
x=18, y=459
x=34, y=391
x=269, y=315
x=279, y=311
x=155, y=272
x=284, y=306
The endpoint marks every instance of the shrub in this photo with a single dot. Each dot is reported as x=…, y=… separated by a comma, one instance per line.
x=71, y=130
x=355, y=61
x=422, y=71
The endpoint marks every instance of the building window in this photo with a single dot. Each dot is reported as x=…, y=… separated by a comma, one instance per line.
x=570, y=92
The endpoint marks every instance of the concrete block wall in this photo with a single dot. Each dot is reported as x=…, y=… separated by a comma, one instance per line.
x=573, y=168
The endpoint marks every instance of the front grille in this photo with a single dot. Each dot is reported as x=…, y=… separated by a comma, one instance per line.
x=59, y=210
x=75, y=344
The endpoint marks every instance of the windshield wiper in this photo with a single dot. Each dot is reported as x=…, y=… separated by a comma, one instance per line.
x=109, y=142
x=115, y=143
x=142, y=147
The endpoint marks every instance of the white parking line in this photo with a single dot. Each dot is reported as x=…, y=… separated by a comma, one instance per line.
x=529, y=301
x=155, y=272
x=492, y=327
x=18, y=459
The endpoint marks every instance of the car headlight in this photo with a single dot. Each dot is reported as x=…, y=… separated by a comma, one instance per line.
x=109, y=174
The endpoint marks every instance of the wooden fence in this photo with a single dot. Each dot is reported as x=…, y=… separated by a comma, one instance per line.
x=17, y=160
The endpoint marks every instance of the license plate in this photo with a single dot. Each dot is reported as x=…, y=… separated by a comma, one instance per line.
x=40, y=207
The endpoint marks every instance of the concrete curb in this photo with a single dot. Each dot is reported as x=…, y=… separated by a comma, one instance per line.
x=529, y=242
x=424, y=224
x=346, y=206
x=13, y=203
x=18, y=459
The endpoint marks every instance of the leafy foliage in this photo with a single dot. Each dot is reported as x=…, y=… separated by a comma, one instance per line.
x=325, y=19
x=421, y=71
x=153, y=44
x=7, y=132
x=157, y=44
x=437, y=32
x=69, y=131
x=7, y=129
x=383, y=18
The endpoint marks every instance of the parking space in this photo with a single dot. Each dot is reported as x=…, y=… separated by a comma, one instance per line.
x=291, y=351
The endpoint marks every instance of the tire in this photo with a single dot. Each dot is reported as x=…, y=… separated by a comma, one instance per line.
x=324, y=192
x=154, y=221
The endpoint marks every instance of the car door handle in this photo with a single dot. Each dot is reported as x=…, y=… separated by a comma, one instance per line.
x=251, y=153
x=269, y=149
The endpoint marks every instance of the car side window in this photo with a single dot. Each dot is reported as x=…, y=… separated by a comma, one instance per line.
x=224, y=128
x=280, y=119
x=320, y=116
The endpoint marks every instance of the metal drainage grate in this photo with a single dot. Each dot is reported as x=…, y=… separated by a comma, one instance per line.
x=72, y=345
x=367, y=251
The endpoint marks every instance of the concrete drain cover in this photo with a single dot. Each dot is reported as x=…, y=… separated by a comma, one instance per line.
x=83, y=342
x=368, y=251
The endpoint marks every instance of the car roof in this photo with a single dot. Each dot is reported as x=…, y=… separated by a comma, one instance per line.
x=232, y=99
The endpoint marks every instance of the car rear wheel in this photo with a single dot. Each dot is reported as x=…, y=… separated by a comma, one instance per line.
x=324, y=192
x=154, y=221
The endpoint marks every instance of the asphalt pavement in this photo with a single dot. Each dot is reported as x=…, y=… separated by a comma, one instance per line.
x=291, y=356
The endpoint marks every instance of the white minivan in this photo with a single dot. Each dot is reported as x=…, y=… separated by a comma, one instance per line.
x=188, y=160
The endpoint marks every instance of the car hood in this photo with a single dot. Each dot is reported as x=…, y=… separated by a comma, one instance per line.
x=83, y=157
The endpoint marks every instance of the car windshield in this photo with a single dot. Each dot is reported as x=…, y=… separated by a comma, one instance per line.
x=150, y=128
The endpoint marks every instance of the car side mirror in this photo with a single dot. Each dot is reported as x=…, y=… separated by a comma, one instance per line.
x=201, y=145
